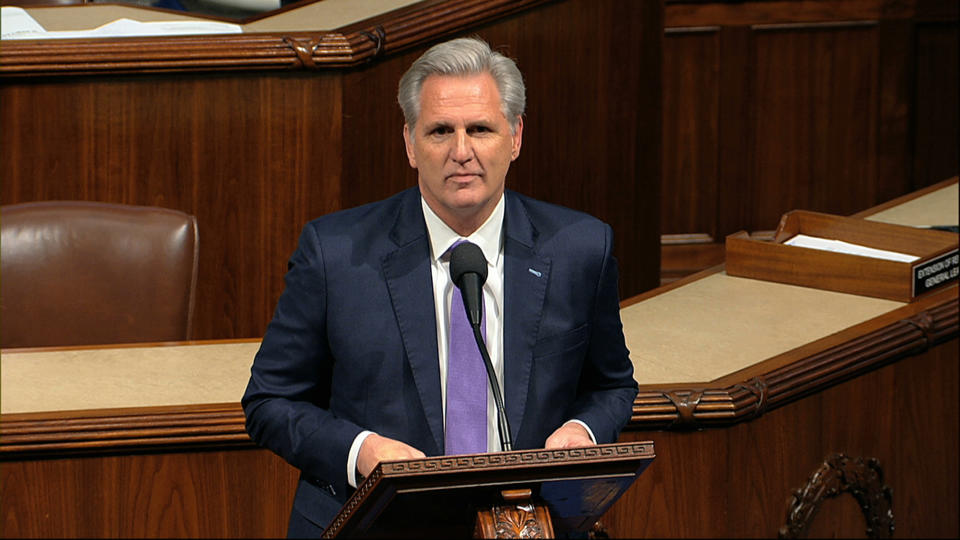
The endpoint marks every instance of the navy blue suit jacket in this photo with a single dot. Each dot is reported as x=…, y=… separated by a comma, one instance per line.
x=353, y=341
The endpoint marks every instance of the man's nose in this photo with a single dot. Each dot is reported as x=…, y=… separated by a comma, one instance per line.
x=462, y=150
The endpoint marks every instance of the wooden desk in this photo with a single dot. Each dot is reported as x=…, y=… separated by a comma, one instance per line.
x=747, y=387
x=135, y=441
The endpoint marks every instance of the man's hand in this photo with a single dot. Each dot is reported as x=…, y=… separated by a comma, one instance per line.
x=569, y=435
x=376, y=449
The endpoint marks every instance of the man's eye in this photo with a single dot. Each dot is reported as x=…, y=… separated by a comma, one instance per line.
x=441, y=131
x=480, y=129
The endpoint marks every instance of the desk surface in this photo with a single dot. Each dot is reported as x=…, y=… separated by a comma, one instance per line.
x=720, y=324
x=695, y=333
x=939, y=207
x=152, y=376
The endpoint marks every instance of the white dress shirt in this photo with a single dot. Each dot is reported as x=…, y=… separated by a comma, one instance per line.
x=489, y=239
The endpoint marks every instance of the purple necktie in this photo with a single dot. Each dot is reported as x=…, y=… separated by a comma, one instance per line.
x=466, y=429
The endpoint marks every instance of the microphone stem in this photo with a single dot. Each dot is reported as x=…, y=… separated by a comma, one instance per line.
x=505, y=443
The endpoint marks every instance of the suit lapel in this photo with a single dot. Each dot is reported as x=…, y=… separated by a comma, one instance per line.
x=407, y=272
x=525, y=276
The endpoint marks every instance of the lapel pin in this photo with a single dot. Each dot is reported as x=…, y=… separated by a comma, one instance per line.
x=534, y=272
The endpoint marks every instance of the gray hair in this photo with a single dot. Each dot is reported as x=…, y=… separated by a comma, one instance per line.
x=463, y=56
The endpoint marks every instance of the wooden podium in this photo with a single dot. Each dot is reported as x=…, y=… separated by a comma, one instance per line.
x=516, y=494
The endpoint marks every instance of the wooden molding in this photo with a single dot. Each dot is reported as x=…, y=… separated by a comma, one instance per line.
x=254, y=51
x=82, y=432
x=478, y=462
x=495, y=469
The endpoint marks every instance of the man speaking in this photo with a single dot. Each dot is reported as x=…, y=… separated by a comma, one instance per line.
x=371, y=356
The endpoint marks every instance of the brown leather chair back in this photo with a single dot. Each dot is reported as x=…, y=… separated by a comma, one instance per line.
x=89, y=273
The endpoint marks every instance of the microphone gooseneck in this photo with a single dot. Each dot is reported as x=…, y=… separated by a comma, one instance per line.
x=468, y=270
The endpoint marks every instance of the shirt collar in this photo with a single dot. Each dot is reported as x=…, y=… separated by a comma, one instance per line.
x=488, y=237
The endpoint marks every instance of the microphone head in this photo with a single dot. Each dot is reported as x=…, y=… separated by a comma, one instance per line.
x=465, y=259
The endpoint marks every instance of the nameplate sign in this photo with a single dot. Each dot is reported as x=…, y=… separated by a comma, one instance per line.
x=936, y=272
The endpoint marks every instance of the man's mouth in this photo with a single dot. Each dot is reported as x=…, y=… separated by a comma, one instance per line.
x=461, y=176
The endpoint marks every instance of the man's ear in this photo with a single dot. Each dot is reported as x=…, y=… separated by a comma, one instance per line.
x=517, y=139
x=408, y=142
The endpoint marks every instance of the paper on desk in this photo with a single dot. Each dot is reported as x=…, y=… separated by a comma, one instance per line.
x=18, y=24
x=15, y=23
x=839, y=246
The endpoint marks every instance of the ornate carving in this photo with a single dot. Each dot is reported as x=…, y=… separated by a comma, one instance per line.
x=516, y=521
x=840, y=474
x=598, y=531
x=353, y=502
x=516, y=457
x=924, y=323
x=686, y=403
x=378, y=37
x=758, y=387
x=304, y=49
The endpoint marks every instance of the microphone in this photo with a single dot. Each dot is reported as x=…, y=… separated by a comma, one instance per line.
x=468, y=270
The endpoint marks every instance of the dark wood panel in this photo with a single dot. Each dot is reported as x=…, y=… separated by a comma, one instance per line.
x=736, y=482
x=200, y=494
x=737, y=144
x=691, y=112
x=894, y=149
x=255, y=154
x=937, y=142
x=375, y=162
x=816, y=120
x=253, y=157
x=592, y=131
x=679, y=13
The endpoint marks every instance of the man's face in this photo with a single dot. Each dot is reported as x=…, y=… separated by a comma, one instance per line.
x=462, y=148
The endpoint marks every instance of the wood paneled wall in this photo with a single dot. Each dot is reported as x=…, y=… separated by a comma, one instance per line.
x=831, y=106
x=244, y=492
x=255, y=154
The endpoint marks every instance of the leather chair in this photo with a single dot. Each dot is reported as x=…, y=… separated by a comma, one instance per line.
x=90, y=273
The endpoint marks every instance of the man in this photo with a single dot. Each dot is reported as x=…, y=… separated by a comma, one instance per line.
x=357, y=366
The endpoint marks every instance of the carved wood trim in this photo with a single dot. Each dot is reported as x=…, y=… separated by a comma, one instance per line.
x=522, y=465
x=500, y=460
x=837, y=475
x=254, y=51
x=518, y=517
x=122, y=429
x=699, y=407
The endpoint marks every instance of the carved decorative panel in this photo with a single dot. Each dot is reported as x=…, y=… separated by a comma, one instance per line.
x=839, y=474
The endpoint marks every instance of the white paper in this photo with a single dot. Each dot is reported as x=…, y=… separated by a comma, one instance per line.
x=15, y=23
x=18, y=24
x=839, y=246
